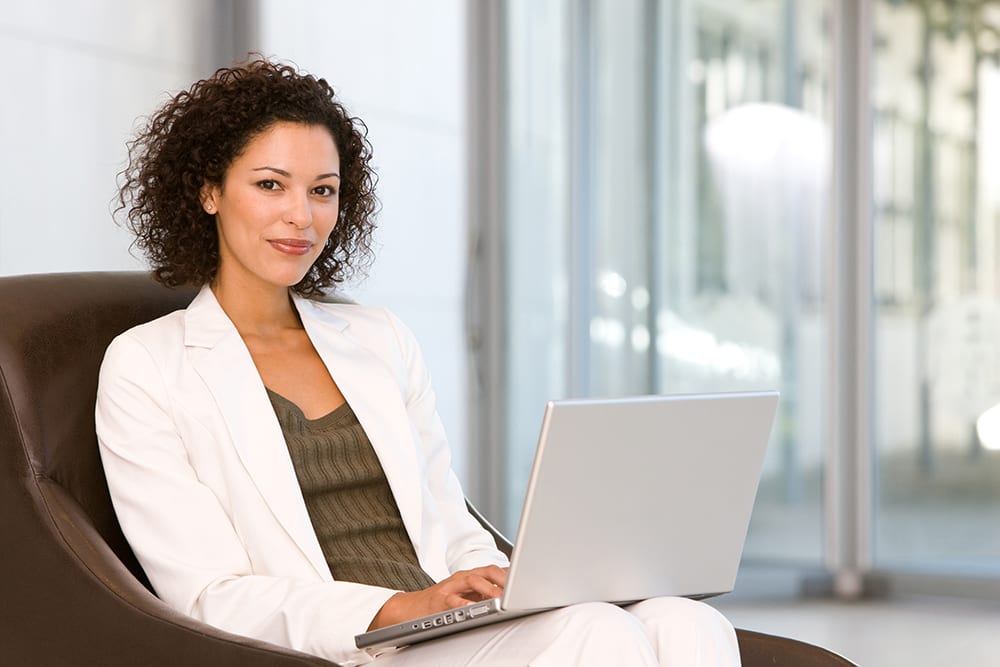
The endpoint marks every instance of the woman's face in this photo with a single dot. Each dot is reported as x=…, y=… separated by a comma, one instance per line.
x=276, y=207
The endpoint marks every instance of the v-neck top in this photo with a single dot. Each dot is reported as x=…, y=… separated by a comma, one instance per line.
x=348, y=498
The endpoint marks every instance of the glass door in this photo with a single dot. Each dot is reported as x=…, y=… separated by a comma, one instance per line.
x=670, y=170
x=668, y=178
x=936, y=97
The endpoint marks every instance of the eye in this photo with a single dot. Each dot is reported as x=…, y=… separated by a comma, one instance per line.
x=268, y=184
x=324, y=190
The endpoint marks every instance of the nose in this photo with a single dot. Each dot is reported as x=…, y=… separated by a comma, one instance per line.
x=299, y=212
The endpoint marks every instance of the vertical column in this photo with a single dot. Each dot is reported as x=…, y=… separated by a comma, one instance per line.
x=848, y=492
x=485, y=293
x=236, y=31
x=581, y=250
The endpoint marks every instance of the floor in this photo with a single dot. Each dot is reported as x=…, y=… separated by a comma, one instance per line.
x=925, y=631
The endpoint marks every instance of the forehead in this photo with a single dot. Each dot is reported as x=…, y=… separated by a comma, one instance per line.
x=286, y=143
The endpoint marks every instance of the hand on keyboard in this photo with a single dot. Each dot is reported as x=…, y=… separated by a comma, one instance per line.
x=459, y=589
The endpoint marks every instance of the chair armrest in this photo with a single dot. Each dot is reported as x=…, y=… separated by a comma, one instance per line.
x=110, y=618
x=762, y=650
x=503, y=544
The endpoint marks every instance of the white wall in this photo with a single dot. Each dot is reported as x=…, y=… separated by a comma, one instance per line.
x=400, y=66
x=77, y=76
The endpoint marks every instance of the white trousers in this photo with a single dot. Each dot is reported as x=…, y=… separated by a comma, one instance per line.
x=675, y=632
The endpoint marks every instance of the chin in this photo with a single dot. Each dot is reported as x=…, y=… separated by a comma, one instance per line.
x=291, y=282
x=289, y=278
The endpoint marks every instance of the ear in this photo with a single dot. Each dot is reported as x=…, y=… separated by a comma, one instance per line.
x=209, y=195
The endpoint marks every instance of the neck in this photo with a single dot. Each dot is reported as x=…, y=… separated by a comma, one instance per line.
x=257, y=310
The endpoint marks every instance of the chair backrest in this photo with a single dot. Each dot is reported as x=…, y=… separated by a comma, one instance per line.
x=54, y=329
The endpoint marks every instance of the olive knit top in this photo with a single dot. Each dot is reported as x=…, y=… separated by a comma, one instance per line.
x=348, y=498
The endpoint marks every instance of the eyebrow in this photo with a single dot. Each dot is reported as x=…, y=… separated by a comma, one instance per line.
x=286, y=174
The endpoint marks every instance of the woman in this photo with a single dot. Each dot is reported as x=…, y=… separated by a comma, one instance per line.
x=276, y=461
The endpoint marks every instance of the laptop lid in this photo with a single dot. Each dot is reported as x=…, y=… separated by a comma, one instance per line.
x=639, y=497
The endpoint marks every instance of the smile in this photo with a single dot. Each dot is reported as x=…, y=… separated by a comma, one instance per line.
x=291, y=246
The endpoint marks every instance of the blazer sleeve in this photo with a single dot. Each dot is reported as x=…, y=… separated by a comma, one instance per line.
x=181, y=533
x=469, y=544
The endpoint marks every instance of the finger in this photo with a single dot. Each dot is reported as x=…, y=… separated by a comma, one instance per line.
x=455, y=600
x=479, y=584
x=466, y=585
x=455, y=592
x=492, y=573
x=498, y=575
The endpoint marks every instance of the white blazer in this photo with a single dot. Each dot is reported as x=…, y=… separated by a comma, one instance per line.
x=206, y=493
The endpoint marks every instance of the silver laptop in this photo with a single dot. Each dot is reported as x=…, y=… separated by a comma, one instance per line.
x=628, y=499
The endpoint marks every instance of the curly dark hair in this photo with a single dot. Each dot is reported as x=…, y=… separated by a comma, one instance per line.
x=193, y=139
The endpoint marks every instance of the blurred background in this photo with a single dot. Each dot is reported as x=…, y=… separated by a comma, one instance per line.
x=603, y=198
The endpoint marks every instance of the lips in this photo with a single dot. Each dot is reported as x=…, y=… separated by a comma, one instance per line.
x=291, y=246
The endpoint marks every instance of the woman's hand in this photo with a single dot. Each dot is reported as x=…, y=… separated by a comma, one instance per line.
x=457, y=590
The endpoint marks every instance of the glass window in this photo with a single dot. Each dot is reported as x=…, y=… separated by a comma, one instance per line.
x=746, y=171
x=669, y=188
x=668, y=174
x=936, y=110
x=537, y=202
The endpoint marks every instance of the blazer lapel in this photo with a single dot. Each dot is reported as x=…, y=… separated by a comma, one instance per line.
x=374, y=394
x=220, y=357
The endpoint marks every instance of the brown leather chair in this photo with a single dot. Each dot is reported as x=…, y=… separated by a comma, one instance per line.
x=71, y=591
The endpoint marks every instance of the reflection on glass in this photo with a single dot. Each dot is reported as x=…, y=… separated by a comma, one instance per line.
x=537, y=225
x=675, y=207
x=988, y=428
x=937, y=117
x=669, y=170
